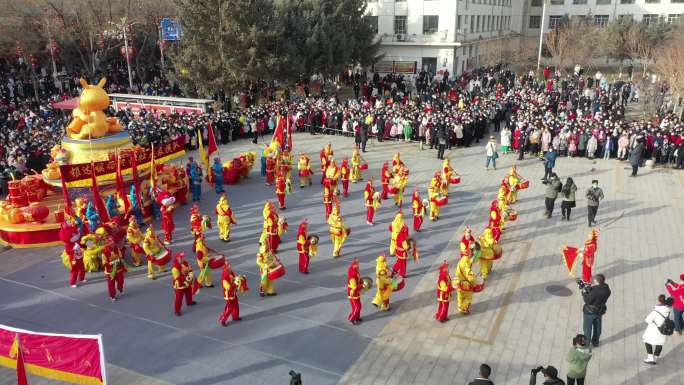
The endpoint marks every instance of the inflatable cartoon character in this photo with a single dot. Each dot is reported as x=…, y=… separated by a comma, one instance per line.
x=89, y=120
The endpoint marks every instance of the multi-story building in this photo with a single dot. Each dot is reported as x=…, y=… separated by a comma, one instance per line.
x=438, y=35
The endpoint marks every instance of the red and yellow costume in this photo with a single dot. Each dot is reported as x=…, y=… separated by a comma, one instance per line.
x=467, y=241
x=397, y=163
x=399, y=182
x=356, y=174
x=230, y=283
x=513, y=180
x=303, y=245
x=280, y=190
x=338, y=231
x=265, y=259
x=114, y=269
x=589, y=255
x=167, y=223
x=354, y=286
x=304, y=167
x=402, y=251
x=465, y=282
x=489, y=252
x=325, y=155
x=344, y=177
x=394, y=228
x=271, y=167
x=495, y=219
x=418, y=211
x=369, y=196
x=152, y=247
x=135, y=240
x=224, y=218
x=444, y=289
x=332, y=174
x=447, y=173
x=196, y=222
x=72, y=254
x=76, y=266
x=270, y=234
x=327, y=198
x=383, y=282
x=286, y=164
x=183, y=281
x=434, y=191
x=385, y=177
x=202, y=258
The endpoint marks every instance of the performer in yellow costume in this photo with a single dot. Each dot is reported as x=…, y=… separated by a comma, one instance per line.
x=513, y=180
x=355, y=166
x=304, y=167
x=224, y=218
x=447, y=174
x=202, y=258
x=152, y=246
x=434, y=191
x=394, y=228
x=332, y=173
x=338, y=231
x=383, y=282
x=285, y=165
x=465, y=282
x=489, y=251
x=399, y=182
x=264, y=260
x=135, y=239
x=92, y=255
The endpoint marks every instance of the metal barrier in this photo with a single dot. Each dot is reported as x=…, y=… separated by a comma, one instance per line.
x=313, y=130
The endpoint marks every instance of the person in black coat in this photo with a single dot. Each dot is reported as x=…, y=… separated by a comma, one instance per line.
x=363, y=134
x=485, y=372
x=635, y=157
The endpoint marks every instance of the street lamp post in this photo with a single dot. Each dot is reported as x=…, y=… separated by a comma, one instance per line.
x=541, y=35
x=128, y=56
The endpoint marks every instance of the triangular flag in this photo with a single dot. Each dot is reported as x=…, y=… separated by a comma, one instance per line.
x=212, y=147
x=21, y=370
x=570, y=255
x=203, y=154
x=99, y=204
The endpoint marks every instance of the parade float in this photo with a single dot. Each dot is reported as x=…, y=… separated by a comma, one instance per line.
x=95, y=163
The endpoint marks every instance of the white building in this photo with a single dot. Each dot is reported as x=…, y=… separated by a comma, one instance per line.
x=438, y=35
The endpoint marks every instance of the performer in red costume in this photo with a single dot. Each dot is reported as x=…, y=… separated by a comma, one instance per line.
x=114, y=270
x=166, y=202
x=444, y=289
x=589, y=255
x=280, y=190
x=327, y=198
x=368, y=195
x=230, y=287
x=303, y=246
x=354, y=286
x=70, y=235
x=385, y=177
x=418, y=211
x=77, y=271
x=271, y=164
x=402, y=251
x=466, y=241
x=196, y=222
x=495, y=219
x=325, y=154
x=183, y=280
x=344, y=177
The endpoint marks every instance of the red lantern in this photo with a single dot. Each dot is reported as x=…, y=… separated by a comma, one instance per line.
x=35, y=212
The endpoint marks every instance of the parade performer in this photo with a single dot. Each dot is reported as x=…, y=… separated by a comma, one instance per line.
x=183, y=281
x=167, y=208
x=589, y=255
x=402, y=251
x=332, y=174
x=303, y=245
x=76, y=266
x=399, y=182
x=271, y=165
x=224, y=218
x=495, y=219
x=434, y=191
x=369, y=198
x=198, y=222
x=465, y=280
x=112, y=205
x=152, y=247
x=385, y=177
x=114, y=269
x=356, y=160
x=95, y=243
x=135, y=207
x=444, y=290
x=325, y=154
x=344, y=177
x=383, y=282
x=397, y=163
x=304, y=167
x=513, y=180
x=271, y=227
x=202, y=258
x=327, y=198
x=135, y=240
x=467, y=241
x=217, y=171
x=448, y=177
x=70, y=235
x=418, y=210
x=231, y=284
x=338, y=231
x=265, y=259
x=489, y=252
x=196, y=183
x=280, y=190
x=354, y=286
x=395, y=227
x=93, y=218
x=282, y=229
x=286, y=164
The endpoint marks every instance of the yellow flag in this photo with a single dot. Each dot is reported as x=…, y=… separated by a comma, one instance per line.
x=202, y=152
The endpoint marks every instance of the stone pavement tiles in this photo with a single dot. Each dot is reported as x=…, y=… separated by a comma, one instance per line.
x=517, y=323
x=304, y=328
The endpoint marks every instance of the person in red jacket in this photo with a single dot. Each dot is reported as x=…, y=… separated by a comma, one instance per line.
x=676, y=290
x=114, y=269
x=280, y=190
x=385, y=177
x=344, y=177
x=183, y=280
x=354, y=286
x=303, y=247
x=229, y=282
x=444, y=289
x=77, y=268
x=589, y=255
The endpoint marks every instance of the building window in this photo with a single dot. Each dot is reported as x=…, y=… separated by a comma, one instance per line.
x=472, y=23
x=626, y=1
x=536, y=3
x=652, y=1
x=603, y=2
x=458, y=22
x=400, y=1
x=554, y=21
x=399, y=24
x=673, y=18
x=477, y=23
x=497, y=23
x=373, y=21
x=430, y=24
x=535, y=21
x=557, y=2
x=650, y=18
x=676, y=1
x=601, y=20
x=579, y=2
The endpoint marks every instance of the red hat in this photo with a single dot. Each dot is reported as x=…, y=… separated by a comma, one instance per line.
x=681, y=277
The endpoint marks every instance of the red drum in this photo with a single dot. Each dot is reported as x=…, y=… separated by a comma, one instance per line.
x=393, y=189
x=441, y=200
x=512, y=216
x=34, y=196
x=363, y=166
x=18, y=200
x=523, y=185
x=217, y=261
x=478, y=287
x=161, y=258
x=455, y=180
x=276, y=271
x=59, y=216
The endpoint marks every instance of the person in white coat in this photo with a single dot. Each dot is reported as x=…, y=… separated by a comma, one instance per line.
x=505, y=140
x=652, y=337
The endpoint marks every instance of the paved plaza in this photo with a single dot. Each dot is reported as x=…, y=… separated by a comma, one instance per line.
x=526, y=316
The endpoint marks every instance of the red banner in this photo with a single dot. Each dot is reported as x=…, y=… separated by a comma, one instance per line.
x=79, y=175
x=570, y=255
x=74, y=358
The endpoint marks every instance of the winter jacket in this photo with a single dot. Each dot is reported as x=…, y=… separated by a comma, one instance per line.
x=654, y=319
x=677, y=293
x=553, y=188
x=577, y=360
x=572, y=189
x=551, y=159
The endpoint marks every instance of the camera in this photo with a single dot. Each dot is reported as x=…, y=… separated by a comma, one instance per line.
x=536, y=370
x=583, y=286
x=669, y=281
x=295, y=378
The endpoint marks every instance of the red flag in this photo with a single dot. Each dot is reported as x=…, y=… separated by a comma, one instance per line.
x=120, y=187
x=289, y=132
x=99, y=204
x=21, y=370
x=570, y=255
x=211, y=145
x=65, y=193
x=278, y=134
x=136, y=180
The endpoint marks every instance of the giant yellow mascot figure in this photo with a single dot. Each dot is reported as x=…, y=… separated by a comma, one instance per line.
x=90, y=121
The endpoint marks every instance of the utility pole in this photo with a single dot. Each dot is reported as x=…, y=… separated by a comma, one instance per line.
x=541, y=35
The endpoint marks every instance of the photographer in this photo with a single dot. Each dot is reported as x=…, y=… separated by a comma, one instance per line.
x=595, y=298
x=577, y=360
x=550, y=376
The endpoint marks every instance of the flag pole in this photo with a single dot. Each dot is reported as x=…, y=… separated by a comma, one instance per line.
x=541, y=34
